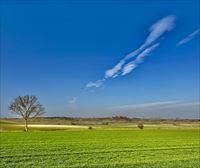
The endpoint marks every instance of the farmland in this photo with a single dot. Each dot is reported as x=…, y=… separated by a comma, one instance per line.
x=102, y=147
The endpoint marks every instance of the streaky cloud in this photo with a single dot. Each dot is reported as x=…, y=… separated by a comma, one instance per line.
x=163, y=109
x=156, y=30
x=139, y=59
x=122, y=68
x=159, y=28
x=114, y=71
x=95, y=84
x=188, y=38
x=72, y=104
x=146, y=105
x=73, y=100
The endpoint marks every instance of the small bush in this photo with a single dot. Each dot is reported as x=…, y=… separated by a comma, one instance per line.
x=140, y=126
x=89, y=127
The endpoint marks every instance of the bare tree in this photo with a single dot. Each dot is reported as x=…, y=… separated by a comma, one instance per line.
x=27, y=107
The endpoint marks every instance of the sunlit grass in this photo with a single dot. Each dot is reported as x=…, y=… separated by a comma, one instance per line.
x=101, y=148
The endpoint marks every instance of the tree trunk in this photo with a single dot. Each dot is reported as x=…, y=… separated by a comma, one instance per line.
x=26, y=125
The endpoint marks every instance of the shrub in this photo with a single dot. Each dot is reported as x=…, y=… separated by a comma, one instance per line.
x=89, y=127
x=140, y=126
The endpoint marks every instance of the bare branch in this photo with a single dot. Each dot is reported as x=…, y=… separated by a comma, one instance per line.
x=27, y=107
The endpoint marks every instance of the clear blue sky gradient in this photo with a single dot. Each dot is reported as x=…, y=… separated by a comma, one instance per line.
x=53, y=49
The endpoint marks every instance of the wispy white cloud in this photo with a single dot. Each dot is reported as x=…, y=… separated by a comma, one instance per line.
x=133, y=64
x=159, y=28
x=121, y=68
x=164, y=109
x=156, y=30
x=95, y=84
x=114, y=71
x=158, y=109
x=73, y=100
x=72, y=104
x=145, y=105
x=188, y=38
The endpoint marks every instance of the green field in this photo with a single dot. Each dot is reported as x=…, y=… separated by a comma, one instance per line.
x=158, y=148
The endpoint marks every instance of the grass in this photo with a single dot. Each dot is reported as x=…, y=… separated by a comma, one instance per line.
x=148, y=148
x=4, y=122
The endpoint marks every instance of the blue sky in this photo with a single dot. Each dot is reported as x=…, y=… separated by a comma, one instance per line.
x=53, y=49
